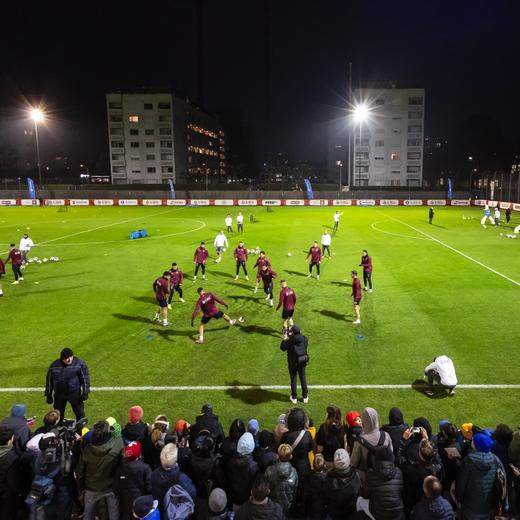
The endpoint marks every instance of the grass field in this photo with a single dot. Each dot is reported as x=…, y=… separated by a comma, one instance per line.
x=428, y=300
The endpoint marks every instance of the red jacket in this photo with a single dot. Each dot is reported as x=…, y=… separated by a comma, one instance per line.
x=206, y=302
x=200, y=256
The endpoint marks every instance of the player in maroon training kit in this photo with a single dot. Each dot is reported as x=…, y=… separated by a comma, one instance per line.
x=316, y=256
x=241, y=257
x=288, y=301
x=366, y=263
x=356, y=295
x=262, y=260
x=2, y=271
x=176, y=278
x=160, y=287
x=199, y=258
x=206, y=303
x=15, y=257
x=267, y=275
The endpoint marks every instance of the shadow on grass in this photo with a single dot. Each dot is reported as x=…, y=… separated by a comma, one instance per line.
x=168, y=333
x=144, y=299
x=432, y=224
x=46, y=291
x=332, y=314
x=255, y=395
x=221, y=273
x=420, y=385
x=126, y=317
x=341, y=284
x=66, y=275
x=246, y=298
x=258, y=329
x=236, y=283
x=296, y=273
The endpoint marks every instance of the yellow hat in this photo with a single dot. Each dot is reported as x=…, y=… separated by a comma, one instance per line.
x=467, y=430
x=111, y=421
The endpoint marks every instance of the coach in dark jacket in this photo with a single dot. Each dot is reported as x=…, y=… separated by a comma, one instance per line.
x=293, y=342
x=207, y=420
x=383, y=487
x=395, y=427
x=69, y=380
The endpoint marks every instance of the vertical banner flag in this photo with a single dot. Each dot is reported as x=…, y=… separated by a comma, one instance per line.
x=449, y=188
x=172, y=189
x=309, y=188
x=32, y=191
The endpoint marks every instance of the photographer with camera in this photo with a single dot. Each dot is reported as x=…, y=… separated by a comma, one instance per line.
x=295, y=344
x=69, y=380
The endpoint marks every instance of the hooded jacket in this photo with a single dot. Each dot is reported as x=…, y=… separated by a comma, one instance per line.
x=371, y=433
x=18, y=423
x=395, y=427
x=98, y=464
x=433, y=509
x=383, y=487
x=475, y=482
x=341, y=489
x=10, y=481
x=132, y=480
x=414, y=474
x=253, y=511
x=283, y=482
x=208, y=421
x=241, y=471
x=163, y=479
x=288, y=346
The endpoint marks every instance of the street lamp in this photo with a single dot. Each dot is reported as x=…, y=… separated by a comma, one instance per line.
x=360, y=114
x=340, y=164
x=38, y=117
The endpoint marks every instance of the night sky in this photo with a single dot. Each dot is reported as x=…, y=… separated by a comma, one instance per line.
x=465, y=53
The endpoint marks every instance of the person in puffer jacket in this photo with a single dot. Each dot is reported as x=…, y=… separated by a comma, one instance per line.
x=383, y=488
x=341, y=487
x=265, y=455
x=475, y=482
x=283, y=478
x=433, y=506
x=396, y=427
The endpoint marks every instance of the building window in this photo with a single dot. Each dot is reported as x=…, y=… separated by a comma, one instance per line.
x=116, y=131
x=413, y=156
x=415, y=114
x=361, y=155
x=150, y=157
x=164, y=119
x=115, y=104
x=396, y=130
x=394, y=156
x=362, y=142
x=166, y=169
x=118, y=169
x=379, y=158
x=380, y=102
x=117, y=156
x=414, y=129
x=150, y=169
x=149, y=131
x=148, y=106
x=413, y=169
x=117, y=144
x=164, y=105
x=134, y=144
x=165, y=131
x=150, y=144
x=136, y=171
x=380, y=142
x=133, y=119
x=134, y=131
x=414, y=142
x=135, y=158
x=396, y=172
x=166, y=144
x=166, y=157
x=415, y=100
x=116, y=118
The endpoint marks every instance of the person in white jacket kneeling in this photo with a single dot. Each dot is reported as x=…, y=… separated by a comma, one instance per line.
x=441, y=370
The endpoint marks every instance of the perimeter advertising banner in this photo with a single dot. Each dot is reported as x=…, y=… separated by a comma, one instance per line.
x=435, y=202
x=412, y=202
x=176, y=202
x=79, y=202
x=294, y=202
x=366, y=202
x=7, y=202
x=342, y=202
x=389, y=202
x=247, y=202
x=152, y=202
x=319, y=202
x=224, y=202
x=459, y=202
x=30, y=202
x=273, y=202
x=128, y=202
x=55, y=202
x=103, y=202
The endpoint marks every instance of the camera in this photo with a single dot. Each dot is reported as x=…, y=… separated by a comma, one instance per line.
x=415, y=431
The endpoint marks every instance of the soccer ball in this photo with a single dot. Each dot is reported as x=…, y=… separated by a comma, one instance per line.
x=38, y=261
x=223, y=249
x=44, y=260
x=289, y=254
x=241, y=319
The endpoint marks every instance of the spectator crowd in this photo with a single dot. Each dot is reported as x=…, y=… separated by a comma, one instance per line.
x=348, y=467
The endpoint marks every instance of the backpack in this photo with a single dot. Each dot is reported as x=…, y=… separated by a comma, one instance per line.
x=43, y=490
x=371, y=455
x=178, y=504
x=300, y=349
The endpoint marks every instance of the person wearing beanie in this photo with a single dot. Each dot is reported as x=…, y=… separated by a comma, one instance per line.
x=353, y=428
x=341, y=487
x=97, y=467
x=217, y=505
x=18, y=423
x=395, y=427
x=381, y=493
x=146, y=508
x=207, y=420
x=265, y=455
x=433, y=506
x=132, y=479
x=241, y=470
x=135, y=429
x=68, y=381
x=280, y=428
x=283, y=479
x=236, y=429
x=296, y=345
x=371, y=437
x=408, y=449
x=115, y=427
x=168, y=474
x=254, y=428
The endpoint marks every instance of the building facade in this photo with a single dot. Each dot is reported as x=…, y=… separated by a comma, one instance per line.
x=388, y=146
x=156, y=136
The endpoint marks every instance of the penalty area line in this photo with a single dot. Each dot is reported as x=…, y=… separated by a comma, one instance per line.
x=259, y=387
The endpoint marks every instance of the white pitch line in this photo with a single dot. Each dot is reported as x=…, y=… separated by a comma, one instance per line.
x=260, y=387
x=456, y=251
x=373, y=226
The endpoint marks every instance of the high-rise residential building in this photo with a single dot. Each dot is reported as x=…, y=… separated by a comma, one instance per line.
x=155, y=135
x=388, y=146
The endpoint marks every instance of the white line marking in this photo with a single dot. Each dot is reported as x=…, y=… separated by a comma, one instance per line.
x=373, y=226
x=260, y=387
x=456, y=251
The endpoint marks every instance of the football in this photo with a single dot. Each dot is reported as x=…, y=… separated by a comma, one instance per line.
x=45, y=260
x=241, y=319
x=289, y=254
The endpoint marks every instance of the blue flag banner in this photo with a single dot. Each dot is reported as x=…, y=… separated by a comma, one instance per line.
x=310, y=195
x=172, y=189
x=32, y=190
x=449, y=188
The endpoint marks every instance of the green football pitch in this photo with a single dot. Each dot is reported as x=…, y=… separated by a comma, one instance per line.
x=449, y=288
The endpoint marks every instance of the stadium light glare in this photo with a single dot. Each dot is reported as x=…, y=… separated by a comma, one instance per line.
x=360, y=113
x=37, y=115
